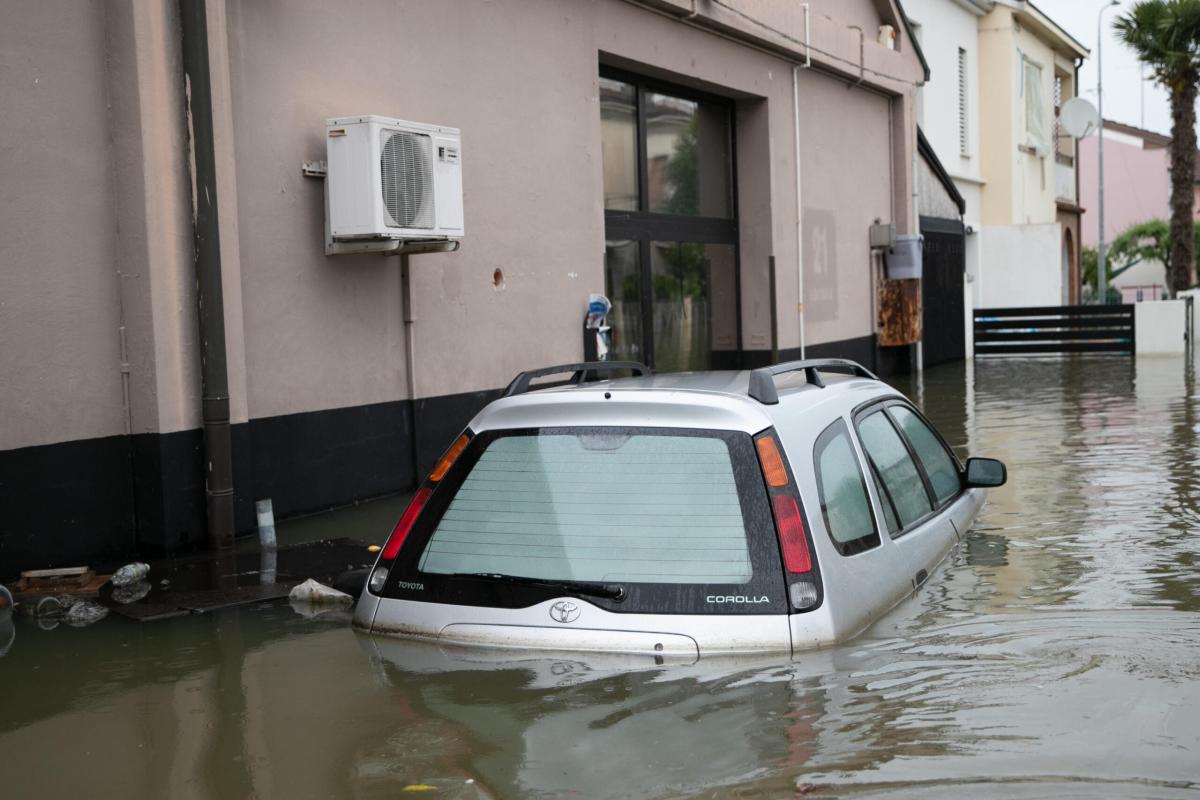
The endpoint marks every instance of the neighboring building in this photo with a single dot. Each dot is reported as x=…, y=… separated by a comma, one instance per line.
x=1014, y=172
x=948, y=115
x=1137, y=180
x=1030, y=216
x=646, y=150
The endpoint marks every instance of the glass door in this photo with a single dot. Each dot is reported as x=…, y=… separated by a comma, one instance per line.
x=671, y=256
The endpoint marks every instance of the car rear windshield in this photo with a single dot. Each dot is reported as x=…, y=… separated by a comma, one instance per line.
x=677, y=518
x=598, y=507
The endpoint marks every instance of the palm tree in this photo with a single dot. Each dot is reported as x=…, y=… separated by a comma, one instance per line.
x=1165, y=34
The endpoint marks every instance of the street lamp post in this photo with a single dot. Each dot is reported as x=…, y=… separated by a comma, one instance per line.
x=1102, y=264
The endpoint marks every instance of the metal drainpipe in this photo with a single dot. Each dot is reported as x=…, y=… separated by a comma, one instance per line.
x=214, y=378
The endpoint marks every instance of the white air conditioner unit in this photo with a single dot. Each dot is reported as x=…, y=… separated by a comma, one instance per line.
x=393, y=182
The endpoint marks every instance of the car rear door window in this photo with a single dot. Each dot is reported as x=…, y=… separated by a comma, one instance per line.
x=938, y=463
x=885, y=500
x=844, y=502
x=902, y=482
x=602, y=507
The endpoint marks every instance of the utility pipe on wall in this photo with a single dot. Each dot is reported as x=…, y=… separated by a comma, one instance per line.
x=799, y=198
x=410, y=356
x=214, y=378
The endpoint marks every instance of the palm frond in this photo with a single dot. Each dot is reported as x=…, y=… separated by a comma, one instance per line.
x=1165, y=35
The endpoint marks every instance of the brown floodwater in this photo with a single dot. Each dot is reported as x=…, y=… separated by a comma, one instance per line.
x=1055, y=654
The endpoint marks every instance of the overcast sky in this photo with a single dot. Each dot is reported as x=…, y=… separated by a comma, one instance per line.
x=1127, y=98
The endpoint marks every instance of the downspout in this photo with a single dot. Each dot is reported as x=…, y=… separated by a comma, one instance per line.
x=799, y=201
x=410, y=358
x=214, y=378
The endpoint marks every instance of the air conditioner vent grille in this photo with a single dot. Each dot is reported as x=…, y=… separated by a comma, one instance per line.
x=406, y=165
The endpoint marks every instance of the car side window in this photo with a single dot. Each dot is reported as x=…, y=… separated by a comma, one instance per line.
x=844, y=502
x=902, y=482
x=885, y=500
x=938, y=463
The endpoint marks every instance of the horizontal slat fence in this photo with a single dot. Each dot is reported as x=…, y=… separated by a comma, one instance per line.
x=1054, y=329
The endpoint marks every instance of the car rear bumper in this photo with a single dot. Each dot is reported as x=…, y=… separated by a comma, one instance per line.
x=592, y=630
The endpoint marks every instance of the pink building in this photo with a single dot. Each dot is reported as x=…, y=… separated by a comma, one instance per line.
x=1137, y=180
x=1137, y=188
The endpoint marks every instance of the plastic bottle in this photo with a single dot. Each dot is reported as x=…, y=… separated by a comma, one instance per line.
x=130, y=574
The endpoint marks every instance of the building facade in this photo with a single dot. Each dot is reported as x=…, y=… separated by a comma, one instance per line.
x=1029, y=234
x=1137, y=178
x=948, y=104
x=647, y=150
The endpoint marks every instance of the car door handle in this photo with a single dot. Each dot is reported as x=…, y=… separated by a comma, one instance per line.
x=920, y=578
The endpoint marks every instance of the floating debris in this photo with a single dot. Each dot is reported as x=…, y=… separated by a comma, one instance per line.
x=49, y=607
x=131, y=593
x=318, y=594
x=83, y=613
x=77, y=581
x=131, y=574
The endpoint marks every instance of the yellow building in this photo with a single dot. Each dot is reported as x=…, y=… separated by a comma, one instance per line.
x=1027, y=249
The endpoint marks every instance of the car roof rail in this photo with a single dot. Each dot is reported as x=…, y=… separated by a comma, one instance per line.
x=580, y=373
x=762, y=380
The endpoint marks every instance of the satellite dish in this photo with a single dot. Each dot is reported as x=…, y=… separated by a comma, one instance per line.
x=1079, y=118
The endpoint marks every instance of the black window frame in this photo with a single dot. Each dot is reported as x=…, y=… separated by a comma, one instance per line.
x=767, y=576
x=645, y=227
x=863, y=544
x=865, y=410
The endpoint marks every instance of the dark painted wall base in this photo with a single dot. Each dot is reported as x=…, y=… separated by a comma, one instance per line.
x=107, y=499
x=73, y=498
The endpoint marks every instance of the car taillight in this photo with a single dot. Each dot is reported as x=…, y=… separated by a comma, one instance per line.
x=804, y=581
x=448, y=458
x=792, y=541
x=400, y=532
x=771, y=462
x=409, y=518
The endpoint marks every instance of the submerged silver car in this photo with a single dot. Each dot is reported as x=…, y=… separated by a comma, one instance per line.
x=777, y=509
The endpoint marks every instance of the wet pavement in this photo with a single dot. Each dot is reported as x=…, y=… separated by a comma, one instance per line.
x=1057, y=654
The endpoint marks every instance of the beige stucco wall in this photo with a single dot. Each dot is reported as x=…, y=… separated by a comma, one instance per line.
x=59, y=346
x=997, y=123
x=94, y=229
x=1019, y=185
x=847, y=177
x=1034, y=197
x=152, y=202
x=100, y=113
x=326, y=332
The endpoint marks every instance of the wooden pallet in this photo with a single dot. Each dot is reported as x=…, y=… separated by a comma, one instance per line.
x=75, y=581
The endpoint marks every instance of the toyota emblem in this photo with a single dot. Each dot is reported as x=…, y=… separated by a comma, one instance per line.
x=564, y=612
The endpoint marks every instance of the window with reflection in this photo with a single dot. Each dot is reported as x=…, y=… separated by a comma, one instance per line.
x=618, y=144
x=939, y=465
x=845, y=506
x=903, y=488
x=671, y=264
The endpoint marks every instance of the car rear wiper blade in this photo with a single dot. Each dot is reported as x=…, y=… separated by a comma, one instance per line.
x=611, y=591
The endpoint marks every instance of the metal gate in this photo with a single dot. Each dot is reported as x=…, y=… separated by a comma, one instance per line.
x=1054, y=329
x=943, y=263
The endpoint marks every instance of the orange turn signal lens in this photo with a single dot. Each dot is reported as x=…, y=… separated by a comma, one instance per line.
x=772, y=463
x=448, y=458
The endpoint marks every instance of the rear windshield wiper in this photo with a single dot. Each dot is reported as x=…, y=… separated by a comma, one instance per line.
x=608, y=590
